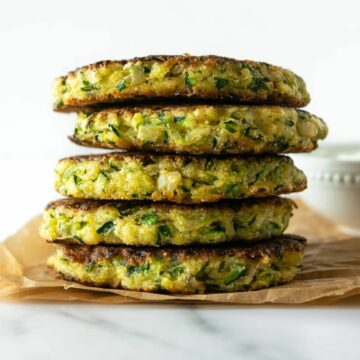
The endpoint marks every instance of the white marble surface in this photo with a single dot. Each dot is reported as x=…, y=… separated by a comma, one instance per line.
x=80, y=331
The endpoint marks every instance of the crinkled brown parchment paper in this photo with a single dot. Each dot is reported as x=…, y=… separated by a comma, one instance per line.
x=331, y=271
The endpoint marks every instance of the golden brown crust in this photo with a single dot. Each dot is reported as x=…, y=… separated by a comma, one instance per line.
x=216, y=197
x=163, y=101
x=164, y=148
x=90, y=204
x=186, y=58
x=270, y=248
x=184, y=93
x=151, y=158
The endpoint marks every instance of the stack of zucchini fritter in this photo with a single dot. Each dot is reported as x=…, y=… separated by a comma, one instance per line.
x=194, y=208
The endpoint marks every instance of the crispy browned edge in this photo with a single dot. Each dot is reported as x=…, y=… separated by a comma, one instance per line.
x=253, y=251
x=186, y=58
x=183, y=149
x=186, y=92
x=208, y=98
x=186, y=107
x=173, y=107
x=257, y=194
x=152, y=158
x=91, y=204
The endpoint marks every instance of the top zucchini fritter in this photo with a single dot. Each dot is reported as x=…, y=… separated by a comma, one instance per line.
x=179, y=77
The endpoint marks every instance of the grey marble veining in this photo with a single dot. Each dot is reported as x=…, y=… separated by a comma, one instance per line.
x=78, y=331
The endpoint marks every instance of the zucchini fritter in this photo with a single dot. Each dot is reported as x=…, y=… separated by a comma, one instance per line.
x=189, y=269
x=94, y=222
x=202, y=129
x=179, y=77
x=176, y=178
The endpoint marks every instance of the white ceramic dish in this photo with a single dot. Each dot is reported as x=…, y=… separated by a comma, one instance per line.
x=333, y=173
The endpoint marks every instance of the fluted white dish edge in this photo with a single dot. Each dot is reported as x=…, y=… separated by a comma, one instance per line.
x=333, y=173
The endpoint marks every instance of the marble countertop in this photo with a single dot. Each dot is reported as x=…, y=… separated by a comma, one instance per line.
x=82, y=331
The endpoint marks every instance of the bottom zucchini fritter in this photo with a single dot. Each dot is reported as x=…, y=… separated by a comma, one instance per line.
x=192, y=269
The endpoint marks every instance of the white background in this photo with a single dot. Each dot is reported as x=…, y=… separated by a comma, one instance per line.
x=39, y=40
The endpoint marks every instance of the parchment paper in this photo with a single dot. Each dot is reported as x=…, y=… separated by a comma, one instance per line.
x=330, y=272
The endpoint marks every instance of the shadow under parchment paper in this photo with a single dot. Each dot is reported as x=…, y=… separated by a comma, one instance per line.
x=330, y=272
